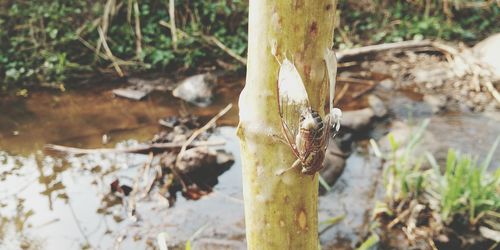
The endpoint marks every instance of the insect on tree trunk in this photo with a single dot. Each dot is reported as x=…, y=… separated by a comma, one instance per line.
x=281, y=209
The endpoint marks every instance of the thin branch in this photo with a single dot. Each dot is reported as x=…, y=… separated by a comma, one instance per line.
x=167, y=25
x=364, y=91
x=341, y=94
x=108, y=52
x=382, y=47
x=138, y=34
x=173, y=28
x=89, y=46
x=138, y=149
x=214, y=40
x=211, y=40
x=200, y=131
x=355, y=80
x=492, y=90
x=135, y=187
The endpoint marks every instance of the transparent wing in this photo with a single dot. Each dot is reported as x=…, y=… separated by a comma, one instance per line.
x=327, y=132
x=331, y=68
x=292, y=98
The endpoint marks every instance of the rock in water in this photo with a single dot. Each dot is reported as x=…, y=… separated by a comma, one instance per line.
x=197, y=89
x=357, y=119
x=377, y=105
x=387, y=84
x=204, y=159
x=488, y=52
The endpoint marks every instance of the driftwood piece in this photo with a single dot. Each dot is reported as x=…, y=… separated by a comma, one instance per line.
x=341, y=94
x=492, y=90
x=144, y=149
x=363, y=92
x=355, y=80
x=381, y=47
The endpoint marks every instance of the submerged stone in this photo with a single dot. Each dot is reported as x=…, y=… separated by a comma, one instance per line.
x=197, y=90
x=488, y=52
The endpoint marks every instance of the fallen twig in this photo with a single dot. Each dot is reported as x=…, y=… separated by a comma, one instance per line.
x=108, y=52
x=364, y=91
x=199, y=131
x=167, y=25
x=214, y=40
x=382, y=47
x=211, y=40
x=399, y=218
x=173, y=28
x=445, y=48
x=355, y=80
x=138, y=33
x=139, y=149
x=132, y=201
x=492, y=90
x=341, y=94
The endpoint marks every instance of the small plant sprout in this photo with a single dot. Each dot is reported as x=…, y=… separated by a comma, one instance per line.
x=461, y=191
x=465, y=187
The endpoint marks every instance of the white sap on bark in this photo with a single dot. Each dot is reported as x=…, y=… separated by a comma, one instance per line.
x=281, y=211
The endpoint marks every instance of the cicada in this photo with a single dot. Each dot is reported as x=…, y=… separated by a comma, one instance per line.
x=304, y=130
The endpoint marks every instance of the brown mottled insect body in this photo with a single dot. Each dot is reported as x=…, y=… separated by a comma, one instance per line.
x=311, y=141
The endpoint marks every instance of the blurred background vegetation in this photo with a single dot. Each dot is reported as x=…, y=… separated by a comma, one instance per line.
x=58, y=42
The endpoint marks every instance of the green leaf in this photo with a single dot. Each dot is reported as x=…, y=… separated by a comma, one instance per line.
x=369, y=243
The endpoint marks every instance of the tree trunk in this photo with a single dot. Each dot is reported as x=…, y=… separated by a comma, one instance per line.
x=281, y=210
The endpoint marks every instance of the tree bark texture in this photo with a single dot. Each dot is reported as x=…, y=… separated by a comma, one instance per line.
x=281, y=210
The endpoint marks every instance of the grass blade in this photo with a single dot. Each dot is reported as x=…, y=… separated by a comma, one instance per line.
x=489, y=157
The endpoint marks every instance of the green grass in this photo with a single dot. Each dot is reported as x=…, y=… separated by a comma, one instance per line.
x=462, y=189
x=403, y=176
x=53, y=42
x=466, y=187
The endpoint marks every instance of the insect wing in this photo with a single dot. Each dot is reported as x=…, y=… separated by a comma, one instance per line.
x=290, y=85
x=292, y=97
x=325, y=140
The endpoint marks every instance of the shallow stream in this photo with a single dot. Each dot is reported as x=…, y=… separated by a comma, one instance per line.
x=50, y=202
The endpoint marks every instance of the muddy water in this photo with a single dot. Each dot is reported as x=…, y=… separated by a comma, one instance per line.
x=80, y=118
x=49, y=202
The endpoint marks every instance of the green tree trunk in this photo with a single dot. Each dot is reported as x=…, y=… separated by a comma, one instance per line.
x=281, y=210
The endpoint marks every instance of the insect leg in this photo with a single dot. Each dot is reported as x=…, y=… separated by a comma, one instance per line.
x=297, y=163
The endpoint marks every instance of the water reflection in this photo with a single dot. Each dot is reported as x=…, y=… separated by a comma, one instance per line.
x=58, y=199
x=49, y=202
x=52, y=202
x=80, y=118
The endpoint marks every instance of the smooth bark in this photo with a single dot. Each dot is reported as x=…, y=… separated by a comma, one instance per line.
x=281, y=210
